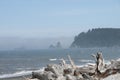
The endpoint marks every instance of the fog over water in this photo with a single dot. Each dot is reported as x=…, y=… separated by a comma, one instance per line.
x=40, y=23
x=11, y=43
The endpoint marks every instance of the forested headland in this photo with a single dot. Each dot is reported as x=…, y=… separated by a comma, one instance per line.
x=99, y=37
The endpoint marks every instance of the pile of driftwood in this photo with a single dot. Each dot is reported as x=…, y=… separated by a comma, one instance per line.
x=63, y=71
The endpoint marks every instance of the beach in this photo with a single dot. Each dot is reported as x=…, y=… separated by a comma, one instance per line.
x=21, y=63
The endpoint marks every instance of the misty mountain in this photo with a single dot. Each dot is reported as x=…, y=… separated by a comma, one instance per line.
x=99, y=37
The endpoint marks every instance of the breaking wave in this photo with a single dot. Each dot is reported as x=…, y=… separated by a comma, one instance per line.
x=20, y=73
x=86, y=61
x=54, y=59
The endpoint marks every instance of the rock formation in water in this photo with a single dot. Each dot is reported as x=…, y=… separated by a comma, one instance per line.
x=57, y=46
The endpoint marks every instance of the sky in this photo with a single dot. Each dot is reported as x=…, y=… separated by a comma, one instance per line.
x=36, y=24
x=56, y=18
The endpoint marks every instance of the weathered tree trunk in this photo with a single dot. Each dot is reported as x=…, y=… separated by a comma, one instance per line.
x=72, y=62
x=100, y=65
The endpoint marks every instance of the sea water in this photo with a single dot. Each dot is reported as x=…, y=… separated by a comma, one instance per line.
x=15, y=63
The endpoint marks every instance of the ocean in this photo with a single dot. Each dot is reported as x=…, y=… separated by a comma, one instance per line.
x=15, y=63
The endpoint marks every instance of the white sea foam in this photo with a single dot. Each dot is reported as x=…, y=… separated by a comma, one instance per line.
x=54, y=59
x=20, y=73
x=118, y=59
x=20, y=69
x=86, y=65
x=86, y=61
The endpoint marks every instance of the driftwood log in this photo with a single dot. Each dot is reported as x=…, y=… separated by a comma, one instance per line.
x=64, y=71
x=72, y=62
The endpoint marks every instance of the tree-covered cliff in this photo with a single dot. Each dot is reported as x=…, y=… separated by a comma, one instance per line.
x=100, y=37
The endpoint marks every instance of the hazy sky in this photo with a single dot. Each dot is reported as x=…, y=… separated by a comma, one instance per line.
x=55, y=18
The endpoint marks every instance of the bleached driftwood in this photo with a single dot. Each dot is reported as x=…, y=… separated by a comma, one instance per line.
x=100, y=62
x=96, y=72
x=72, y=62
x=101, y=71
x=63, y=63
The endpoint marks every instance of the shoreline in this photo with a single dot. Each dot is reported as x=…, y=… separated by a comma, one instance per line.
x=64, y=71
x=16, y=78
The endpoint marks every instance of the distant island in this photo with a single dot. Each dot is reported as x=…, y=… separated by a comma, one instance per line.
x=99, y=37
